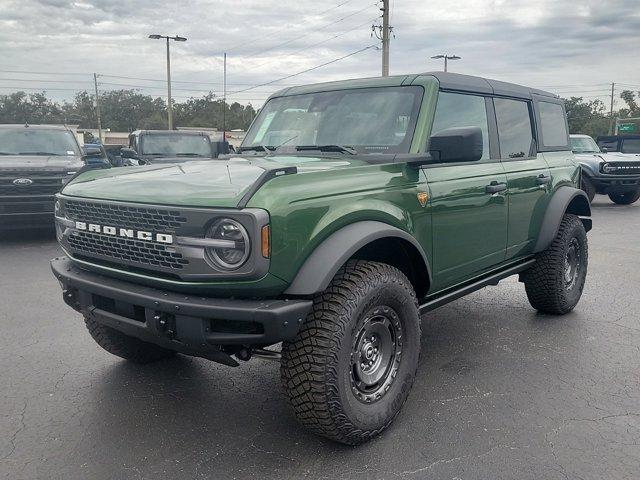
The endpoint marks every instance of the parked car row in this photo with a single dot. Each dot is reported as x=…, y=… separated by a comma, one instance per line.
x=37, y=160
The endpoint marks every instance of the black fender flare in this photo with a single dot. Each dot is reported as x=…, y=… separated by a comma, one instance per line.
x=321, y=266
x=565, y=200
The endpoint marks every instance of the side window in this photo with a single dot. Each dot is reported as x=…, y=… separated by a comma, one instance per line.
x=514, y=128
x=554, y=127
x=458, y=110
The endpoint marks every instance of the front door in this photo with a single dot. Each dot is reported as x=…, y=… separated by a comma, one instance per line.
x=468, y=200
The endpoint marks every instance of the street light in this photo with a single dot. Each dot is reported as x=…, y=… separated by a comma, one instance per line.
x=446, y=57
x=155, y=36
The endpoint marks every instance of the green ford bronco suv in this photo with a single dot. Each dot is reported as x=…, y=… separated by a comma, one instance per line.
x=353, y=208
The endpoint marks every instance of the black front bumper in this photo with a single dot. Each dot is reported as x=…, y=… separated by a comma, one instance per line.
x=30, y=212
x=193, y=325
x=612, y=183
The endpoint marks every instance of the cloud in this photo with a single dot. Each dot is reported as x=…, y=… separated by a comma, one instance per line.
x=570, y=46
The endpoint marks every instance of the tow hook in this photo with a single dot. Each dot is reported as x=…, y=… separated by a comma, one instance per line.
x=166, y=324
x=246, y=353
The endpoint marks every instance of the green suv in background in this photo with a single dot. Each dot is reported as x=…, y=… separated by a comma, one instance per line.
x=353, y=208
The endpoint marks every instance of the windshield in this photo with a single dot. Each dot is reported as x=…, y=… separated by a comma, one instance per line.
x=584, y=145
x=175, y=145
x=34, y=141
x=630, y=145
x=369, y=120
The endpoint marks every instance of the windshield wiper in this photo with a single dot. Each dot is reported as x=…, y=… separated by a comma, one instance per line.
x=257, y=148
x=40, y=153
x=329, y=148
x=6, y=153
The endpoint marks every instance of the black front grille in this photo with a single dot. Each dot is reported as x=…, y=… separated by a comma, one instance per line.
x=125, y=216
x=26, y=207
x=26, y=190
x=623, y=168
x=125, y=250
x=43, y=183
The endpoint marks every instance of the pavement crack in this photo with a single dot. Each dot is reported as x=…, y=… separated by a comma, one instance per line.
x=13, y=438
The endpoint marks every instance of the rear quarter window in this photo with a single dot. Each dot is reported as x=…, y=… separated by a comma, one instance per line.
x=553, y=126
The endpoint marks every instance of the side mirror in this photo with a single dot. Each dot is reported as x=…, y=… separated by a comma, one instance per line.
x=604, y=150
x=451, y=145
x=91, y=151
x=128, y=153
x=219, y=148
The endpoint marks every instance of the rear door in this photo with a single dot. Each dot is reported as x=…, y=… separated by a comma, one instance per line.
x=468, y=202
x=528, y=175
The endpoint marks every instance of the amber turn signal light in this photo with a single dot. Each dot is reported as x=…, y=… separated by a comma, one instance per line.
x=266, y=241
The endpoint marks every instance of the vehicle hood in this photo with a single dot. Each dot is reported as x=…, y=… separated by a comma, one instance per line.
x=621, y=157
x=54, y=163
x=593, y=160
x=156, y=160
x=208, y=183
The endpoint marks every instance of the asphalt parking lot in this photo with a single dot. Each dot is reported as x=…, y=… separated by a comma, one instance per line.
x=501, y=393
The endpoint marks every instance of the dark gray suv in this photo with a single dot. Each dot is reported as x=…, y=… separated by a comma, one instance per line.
x=35, y=163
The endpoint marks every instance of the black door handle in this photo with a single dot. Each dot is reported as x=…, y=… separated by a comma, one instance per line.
x=543, y=179
x=495, y=187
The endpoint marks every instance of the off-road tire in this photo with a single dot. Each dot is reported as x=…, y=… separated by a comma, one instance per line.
x=124, y=346
x=316, y=368
x=625, y=198
x=588, y=188
x=547, y=287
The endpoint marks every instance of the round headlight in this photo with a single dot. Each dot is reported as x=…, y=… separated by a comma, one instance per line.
x=234, y=244
x=608, y=168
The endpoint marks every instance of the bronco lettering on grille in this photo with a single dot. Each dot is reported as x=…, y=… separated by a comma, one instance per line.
x=125, y=232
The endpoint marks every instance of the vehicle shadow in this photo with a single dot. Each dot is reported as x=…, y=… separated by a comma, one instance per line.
x=182, y=416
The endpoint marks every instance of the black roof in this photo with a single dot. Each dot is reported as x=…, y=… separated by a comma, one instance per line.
x=447, y=81
x=457, y=81
x=171, y=132
x=34, y=126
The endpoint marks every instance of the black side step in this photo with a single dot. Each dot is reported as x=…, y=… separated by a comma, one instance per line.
x=492, y=279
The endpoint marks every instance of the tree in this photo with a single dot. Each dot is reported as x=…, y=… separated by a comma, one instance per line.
x=20, y=107
x=587, y=117
x=124, y=110
x=632, y=110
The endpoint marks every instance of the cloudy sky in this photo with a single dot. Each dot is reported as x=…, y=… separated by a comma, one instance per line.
x=570, y=47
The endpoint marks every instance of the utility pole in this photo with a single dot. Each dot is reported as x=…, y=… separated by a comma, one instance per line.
x=385, y=38
x=169, y=105
x=224, y=98
x=383, y=33
x=97, y=105
x=613, y=87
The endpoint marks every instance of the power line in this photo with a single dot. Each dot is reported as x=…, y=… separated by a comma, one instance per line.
x=256, y=53
x=307, y=70
x=175, y=81
x=46, y=73
x=151, y=87
x=270, y=34
x=40, y=80
x=44, y=89
x=319, y=43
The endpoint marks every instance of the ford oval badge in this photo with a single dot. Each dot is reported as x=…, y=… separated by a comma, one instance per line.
x=22, y=181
